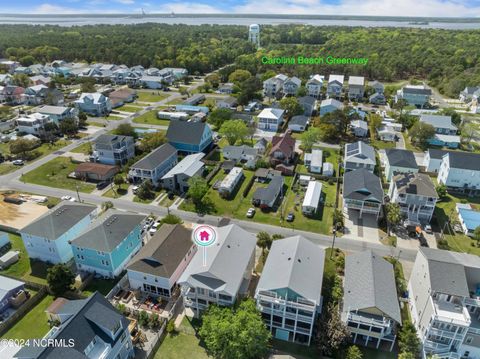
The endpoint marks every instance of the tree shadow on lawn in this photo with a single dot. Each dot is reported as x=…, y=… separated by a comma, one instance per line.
x=206, y=206
x=39, y=269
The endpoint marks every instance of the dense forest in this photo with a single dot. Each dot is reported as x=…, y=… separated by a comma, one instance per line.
x=448, y=59
x=198, y=48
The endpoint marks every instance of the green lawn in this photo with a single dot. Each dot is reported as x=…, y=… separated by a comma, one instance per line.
x=54, y=174
x=43, y=150
x=7, y=168
x=129, y=108
x=444, y=210
x=237, y=206
x=103, y=286
x=151, y=118
x=329, y=155
x=369, y=353
x=182, y=345
x=34, y=271
x=115, y=193
x=34, y=324
x=151, y=96
x=382, y=145
x=408, y=143
x=147, y=201
x=113, y=117
x=84, y=148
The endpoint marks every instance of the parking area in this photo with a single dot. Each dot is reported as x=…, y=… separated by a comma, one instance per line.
x=365, y=228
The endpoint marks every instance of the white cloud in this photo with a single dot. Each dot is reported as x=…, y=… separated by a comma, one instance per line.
x=54, y=9
x=436, y=8
x=126, y=2
x=186, y=8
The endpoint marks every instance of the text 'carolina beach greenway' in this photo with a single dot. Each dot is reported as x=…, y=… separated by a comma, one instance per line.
x=301, y=60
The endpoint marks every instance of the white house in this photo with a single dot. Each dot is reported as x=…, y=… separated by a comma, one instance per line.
x=444, y=303
x=241, y=154
x=314, y=160
x=298, y=123
x=314, y=85
x=291, y=86
x=460, y=172
x=94, y=104
x=33, y=124
x=468, y=217
x=335, y=85
x=230, y=182
x=273, y=86
x=359, y=128
x=359, y=155
x=415, y=194
x=157, y=267
x=327, y=169
x=312, y=198
x=386, y=133
x=270, y=119
x=288, y=293
x=356, y=87
x=113, y=149
x=370, y=302
x=399, y=161
x=224, y=275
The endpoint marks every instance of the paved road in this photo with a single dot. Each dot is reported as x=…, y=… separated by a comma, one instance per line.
x=343, y=243
x=12, y=181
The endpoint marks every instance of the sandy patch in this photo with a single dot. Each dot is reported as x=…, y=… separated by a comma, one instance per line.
x=18, y=216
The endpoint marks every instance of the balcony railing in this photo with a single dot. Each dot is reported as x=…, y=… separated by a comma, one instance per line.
x=275, y=299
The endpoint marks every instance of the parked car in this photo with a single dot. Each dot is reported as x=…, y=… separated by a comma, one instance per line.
x=422, y=240
x=18, y=162
x=154, y=228
x=135, y=189
x=290, y=217
x=250, y=212
x=428, y=229
x=66, y=198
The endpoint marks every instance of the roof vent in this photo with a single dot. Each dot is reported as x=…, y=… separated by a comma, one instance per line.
x=289, y=258
x=228, y=246
x=299, y=260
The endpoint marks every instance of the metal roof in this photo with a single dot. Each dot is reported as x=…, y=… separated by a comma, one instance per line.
x=189, y=166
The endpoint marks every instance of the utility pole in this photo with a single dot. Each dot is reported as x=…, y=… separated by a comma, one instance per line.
x=333, y=242
x=78, y=194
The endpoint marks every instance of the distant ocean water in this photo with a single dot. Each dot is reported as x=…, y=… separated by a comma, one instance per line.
x=78, y=20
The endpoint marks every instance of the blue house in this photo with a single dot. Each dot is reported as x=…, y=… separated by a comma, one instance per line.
x=47, y=238
x=330, y=105
x=190, y=137
x=89, y=328
x=9, y=288
x=107, y=245
x=445, y=130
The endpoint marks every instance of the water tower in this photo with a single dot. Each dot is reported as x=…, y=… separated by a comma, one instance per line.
x=254, y=34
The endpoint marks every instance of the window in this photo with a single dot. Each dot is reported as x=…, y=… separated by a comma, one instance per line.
x=469, y=340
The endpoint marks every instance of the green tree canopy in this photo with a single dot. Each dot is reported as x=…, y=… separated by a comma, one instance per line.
x=151, y=141
x=310, y=137
x=126, y=129
x=235, y=333
x=60, y=279
x=234, y=130
x=238, y=76
x=408, y=340
x=218, y=116
x=291, y=106
x=421, y=132
x=197, y=188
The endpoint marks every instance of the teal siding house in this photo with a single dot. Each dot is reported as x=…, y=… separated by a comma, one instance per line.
x=48, y=238
x=108, y=244
x=190, y=137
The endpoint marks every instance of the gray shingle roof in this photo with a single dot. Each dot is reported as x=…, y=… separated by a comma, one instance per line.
x=156, y=157
x=464, y=160
x=359, y=152
x=162, y=255
x=417, y=91
x=370, y=283
x=299, y=120
x=362, y=185
x=82, y=327
x=108, y=231
x=109, y=139
x=268, y=193
x=186, y=132
x=447, y=270
x=415, y=183
x=227, y=261
x=58, y=220
x=438, y=121
x=401, y=158
x=297, y=264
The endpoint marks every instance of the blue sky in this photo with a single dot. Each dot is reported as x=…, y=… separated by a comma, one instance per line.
x=448, y=8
